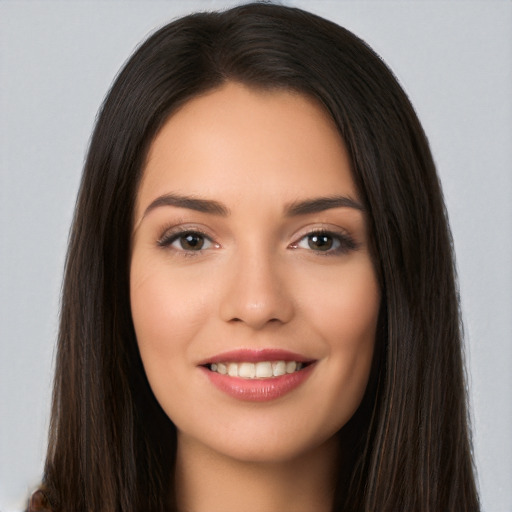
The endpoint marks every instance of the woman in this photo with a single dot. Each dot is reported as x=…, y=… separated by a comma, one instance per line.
x=259, y=309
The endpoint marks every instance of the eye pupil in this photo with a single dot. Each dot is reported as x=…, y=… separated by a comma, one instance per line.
x=320, y=242
x=192, y=242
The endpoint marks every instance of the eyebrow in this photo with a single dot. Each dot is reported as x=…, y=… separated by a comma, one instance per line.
x=293, y=209
x=321, y=204
x=189, y=202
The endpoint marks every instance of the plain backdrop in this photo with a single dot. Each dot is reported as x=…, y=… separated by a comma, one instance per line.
x=57, y=60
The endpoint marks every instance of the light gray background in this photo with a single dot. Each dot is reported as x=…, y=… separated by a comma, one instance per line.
x=57, y=60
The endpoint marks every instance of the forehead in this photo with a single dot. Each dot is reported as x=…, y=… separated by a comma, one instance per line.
x=236, y=143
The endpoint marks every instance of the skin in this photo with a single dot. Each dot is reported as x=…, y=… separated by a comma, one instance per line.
x=259, y=281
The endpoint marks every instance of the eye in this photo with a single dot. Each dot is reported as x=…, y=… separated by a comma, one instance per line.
x=322, y=242
x=326, y=242
x=319, y=242
x=190, y=241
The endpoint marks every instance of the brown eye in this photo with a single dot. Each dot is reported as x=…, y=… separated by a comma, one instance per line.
x=326, y=242
x=186, y=241
x=191, y=241
x=320, y=242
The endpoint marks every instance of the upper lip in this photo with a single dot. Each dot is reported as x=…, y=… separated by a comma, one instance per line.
x=255, y=356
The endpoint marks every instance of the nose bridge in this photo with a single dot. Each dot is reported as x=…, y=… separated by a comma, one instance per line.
x=256, y=293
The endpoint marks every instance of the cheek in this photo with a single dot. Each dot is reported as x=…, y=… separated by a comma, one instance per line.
x=346, y=307
x=345, y=314
x=166, y=314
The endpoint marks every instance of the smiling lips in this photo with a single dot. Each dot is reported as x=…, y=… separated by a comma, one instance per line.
x=257, y=376
x=260, y=370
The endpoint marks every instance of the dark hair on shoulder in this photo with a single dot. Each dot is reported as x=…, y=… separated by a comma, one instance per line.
x=111, y=447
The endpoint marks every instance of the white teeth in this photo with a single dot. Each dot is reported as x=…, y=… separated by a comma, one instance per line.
x=291, y=366
x=261, y=370
x=278, y=368
x=247, y=370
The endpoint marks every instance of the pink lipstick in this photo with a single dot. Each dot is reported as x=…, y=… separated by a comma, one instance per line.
x=257, y=375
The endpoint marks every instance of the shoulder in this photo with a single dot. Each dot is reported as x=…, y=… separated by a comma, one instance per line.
x=38, y=502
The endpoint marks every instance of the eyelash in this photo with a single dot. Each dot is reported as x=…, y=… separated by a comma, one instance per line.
x=169, y=237
x=345, y=243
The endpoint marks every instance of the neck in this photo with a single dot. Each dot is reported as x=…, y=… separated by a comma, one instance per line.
x=206, y=480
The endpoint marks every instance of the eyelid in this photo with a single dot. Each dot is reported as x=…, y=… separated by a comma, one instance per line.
x=346, y=242
x=174, y=232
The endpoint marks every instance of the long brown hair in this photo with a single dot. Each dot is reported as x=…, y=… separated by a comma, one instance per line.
x=111, y=447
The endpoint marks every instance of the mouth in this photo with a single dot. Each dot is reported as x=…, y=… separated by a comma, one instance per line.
x=257, y=375
x=258, y=370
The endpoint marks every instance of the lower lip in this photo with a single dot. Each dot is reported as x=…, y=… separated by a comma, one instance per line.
x=258, y=390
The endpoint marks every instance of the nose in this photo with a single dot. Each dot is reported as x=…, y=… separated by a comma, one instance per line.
x=254, y=292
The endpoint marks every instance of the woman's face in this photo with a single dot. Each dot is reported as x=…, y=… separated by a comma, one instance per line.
x=253, y=293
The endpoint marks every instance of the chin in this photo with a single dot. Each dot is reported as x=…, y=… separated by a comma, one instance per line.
x=265, y=442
